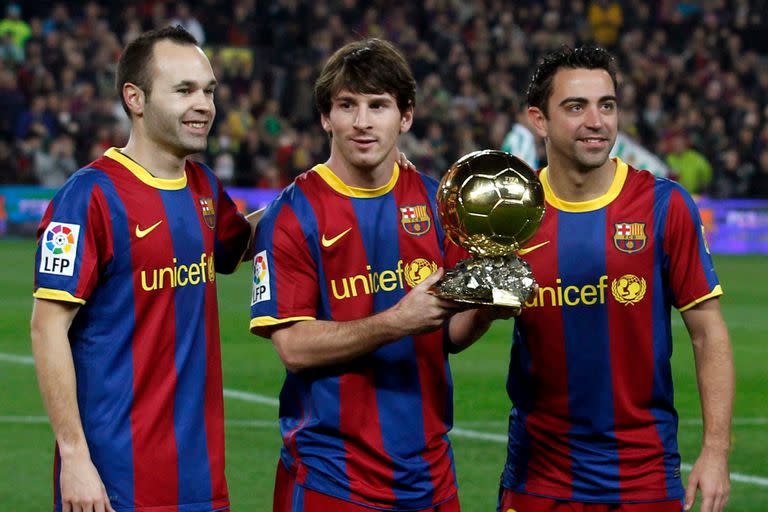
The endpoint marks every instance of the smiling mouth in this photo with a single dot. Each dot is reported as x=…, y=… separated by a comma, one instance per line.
x=196, y=124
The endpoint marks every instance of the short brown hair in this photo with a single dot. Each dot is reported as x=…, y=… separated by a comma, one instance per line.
x=135, y=64
x=370, y=66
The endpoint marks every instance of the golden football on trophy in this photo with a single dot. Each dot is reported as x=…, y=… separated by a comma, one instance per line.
x=491, y=203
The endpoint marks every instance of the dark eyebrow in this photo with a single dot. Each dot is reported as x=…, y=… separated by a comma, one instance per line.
x=577, y=99
x=191, y=83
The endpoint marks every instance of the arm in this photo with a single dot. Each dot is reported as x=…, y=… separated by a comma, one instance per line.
x=715, y=376
x=80, y=483
x=309, y=344
x=467, y=327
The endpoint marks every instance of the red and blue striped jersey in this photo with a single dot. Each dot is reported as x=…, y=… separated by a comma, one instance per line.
x=373, y=431
x=590, y=380
x=138, y=254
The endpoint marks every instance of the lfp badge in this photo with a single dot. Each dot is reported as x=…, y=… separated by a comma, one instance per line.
x=630, y=236
x=415, y=219
x=59, y=248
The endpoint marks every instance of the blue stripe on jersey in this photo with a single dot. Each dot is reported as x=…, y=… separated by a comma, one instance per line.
x=296, y=408
x=588, y=363
x=706, y=260
x=110, y=372
x=518, y=380
x=396, y=373
x=190, y=350
x=666, y=417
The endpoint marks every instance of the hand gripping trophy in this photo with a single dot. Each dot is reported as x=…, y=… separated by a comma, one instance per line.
x=491, y=203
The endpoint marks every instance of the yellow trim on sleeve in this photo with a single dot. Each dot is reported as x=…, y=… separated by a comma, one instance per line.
x=143, y=174
x=268, y=321
x=339, y=186
x=711, y=295
x=50, y=294
x=619, y=177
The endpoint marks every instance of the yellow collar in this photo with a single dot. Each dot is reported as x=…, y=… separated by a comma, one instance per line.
x=593, y=204
x=339, y=186
x=143, y=174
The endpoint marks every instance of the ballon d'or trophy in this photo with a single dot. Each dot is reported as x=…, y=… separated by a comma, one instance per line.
x=490, y=203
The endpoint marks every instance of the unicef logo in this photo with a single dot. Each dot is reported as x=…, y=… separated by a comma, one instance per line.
x=628, y=289
x=418, y=270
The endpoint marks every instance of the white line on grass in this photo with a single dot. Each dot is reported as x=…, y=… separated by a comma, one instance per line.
x=267, y=400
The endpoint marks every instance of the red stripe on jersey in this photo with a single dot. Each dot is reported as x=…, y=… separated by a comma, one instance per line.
x=368, y=465
x=430, y=355
x=155, y=456
x=550, y=454
x=631, y=347
x=295, y=295
x=98, y=243
x=688, y=281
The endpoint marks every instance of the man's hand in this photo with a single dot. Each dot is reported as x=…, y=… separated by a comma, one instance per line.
x=710, y=474
x=81, y=486
x=420, y=311
x=404, y=163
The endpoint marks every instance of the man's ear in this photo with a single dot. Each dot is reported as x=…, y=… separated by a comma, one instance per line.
x=538, y=121
x=134, y=97
x=326, y=123
x=406, y=120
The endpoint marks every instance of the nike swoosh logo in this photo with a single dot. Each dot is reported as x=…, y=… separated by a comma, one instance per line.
x=327, y=242
x=141, y=233
x=523, y=252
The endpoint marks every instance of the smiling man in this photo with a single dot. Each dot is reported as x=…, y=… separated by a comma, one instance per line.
x=593, y=425
x=125, y=329
x=344, y=260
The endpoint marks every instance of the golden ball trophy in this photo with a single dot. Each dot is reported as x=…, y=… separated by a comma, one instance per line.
x=490, y=203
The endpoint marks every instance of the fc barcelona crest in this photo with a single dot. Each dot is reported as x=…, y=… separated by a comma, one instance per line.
x=630, y=237
x=209, y=213
x=415, y=219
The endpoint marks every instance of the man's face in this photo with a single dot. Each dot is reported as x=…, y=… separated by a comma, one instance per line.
x=365, y=128
x=179, y=110
x=583, y=118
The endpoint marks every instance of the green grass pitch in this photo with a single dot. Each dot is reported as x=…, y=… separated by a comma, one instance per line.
x=481, y=405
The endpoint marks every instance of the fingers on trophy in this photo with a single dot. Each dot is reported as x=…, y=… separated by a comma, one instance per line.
x=490, y=203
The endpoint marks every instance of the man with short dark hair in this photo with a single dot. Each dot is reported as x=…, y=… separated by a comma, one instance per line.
x=125, y=329
x=593, y=425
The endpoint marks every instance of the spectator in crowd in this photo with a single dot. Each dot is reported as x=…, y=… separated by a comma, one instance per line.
x=699, y=69
x=13, y=23
x=692, y=169
x=54, y=166
x=520, y=141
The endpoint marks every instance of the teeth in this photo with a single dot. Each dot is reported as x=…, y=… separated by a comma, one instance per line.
x=196, y=124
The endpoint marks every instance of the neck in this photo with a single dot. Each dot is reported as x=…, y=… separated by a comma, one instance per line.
x=156, y=159
x=363, y=177
x=577, y=185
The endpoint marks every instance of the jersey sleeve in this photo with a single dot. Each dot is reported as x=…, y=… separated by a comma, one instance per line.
x=233, y=234
x=692, y=277
x=74, y=242
x=285, y=275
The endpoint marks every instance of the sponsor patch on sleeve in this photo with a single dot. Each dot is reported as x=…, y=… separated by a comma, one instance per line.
x=261, y=290
x=59, y=249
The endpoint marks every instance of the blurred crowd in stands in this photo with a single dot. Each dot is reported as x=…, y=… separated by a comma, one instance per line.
x=694, y=79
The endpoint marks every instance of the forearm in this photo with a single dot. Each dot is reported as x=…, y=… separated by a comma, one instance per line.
x=467, y=327
x=316, y=343
x=713, y=356
x=56, y=379
x=715, y=376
